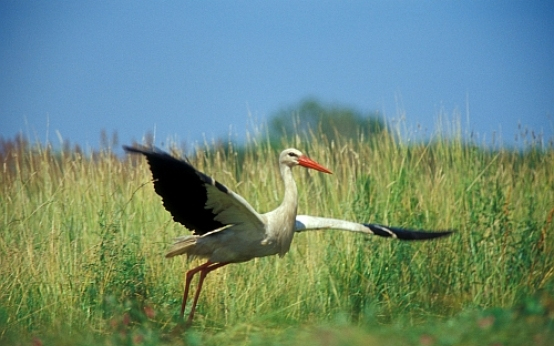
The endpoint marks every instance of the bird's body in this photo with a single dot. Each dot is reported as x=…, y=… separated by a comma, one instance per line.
x=259, y=236
x=226, y=229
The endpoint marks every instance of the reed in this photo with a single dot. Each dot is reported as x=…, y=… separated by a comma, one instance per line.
x=83, y=238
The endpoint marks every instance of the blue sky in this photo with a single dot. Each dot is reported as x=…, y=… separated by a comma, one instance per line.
x=188, y=70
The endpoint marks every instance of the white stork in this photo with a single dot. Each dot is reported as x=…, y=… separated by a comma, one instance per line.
x=226, y=229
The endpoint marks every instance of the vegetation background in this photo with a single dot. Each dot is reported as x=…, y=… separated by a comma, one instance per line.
x=83, y=237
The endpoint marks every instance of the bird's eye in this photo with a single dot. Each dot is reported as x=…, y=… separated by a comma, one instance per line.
x=291, y=154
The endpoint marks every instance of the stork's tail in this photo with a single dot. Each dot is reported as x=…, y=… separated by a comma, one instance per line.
x=181, y=246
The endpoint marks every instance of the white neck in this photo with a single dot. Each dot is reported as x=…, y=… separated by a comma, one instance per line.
x=281, y=221
x=290, y=199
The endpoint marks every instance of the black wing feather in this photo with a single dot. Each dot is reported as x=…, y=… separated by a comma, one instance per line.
x=404, y=234
x=182, y=188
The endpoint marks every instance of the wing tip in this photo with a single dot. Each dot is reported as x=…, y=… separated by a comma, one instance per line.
x=406, y=234
x=138, y=149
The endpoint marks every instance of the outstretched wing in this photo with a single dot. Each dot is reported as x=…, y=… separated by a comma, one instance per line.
x=194, y=199
x=308, y=223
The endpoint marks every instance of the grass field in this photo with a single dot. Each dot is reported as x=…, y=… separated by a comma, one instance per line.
x=83, y=238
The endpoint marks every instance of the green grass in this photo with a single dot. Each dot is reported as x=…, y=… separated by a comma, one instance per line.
x=83, y=237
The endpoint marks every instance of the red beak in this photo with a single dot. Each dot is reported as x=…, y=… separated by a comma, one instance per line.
x=309, y=163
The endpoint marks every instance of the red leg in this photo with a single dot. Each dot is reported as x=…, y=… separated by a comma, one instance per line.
x=203, y=272
x=190, y=274
x=204, y=269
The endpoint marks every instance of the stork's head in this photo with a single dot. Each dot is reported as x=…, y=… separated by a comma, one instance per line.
x=293, y=157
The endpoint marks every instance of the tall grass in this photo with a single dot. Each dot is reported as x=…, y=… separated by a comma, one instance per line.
x=83, y=237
